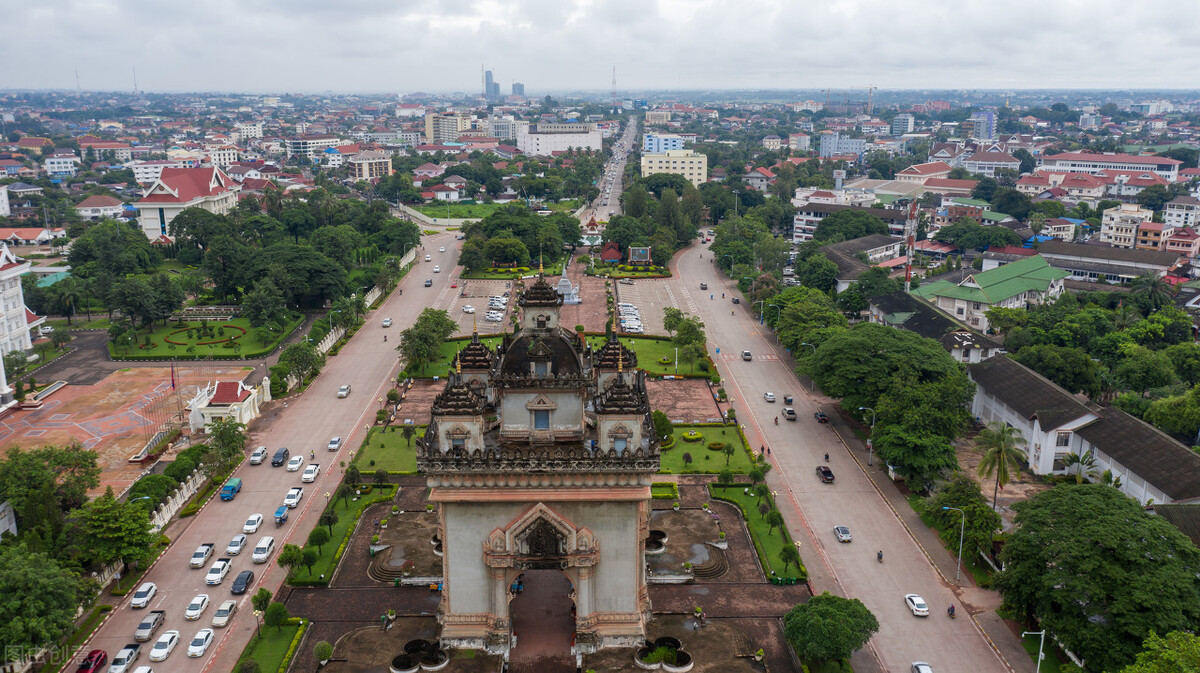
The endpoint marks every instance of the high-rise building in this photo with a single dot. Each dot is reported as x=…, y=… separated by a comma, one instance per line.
x=833, y=144
x=902, y=123
x=985, y=125
x=445, y=128
x=518, y=89
x=657, y=143
x=491, y=88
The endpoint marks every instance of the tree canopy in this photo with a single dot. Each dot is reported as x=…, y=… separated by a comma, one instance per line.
x=828, y=627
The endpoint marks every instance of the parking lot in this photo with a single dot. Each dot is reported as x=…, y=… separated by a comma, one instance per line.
x=477, y=293
x=651, y=296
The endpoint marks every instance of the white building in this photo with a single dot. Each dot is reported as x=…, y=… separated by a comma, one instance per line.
x=146, y=172
x=903, y=123
x=222, y=155
x=99, y=207
x=801, y=142
x=657, y=143
x=5, y=211
x=1095, y=163
x=540, y=143
x=1181, y=212
x=176, y=189
x=986, y=163
x=18, y=320
x=249, y=130
x=688, y=163
x=311, y=145
x=1119, y=225
x=61, y=164
x=505, y=127
x=833, y=144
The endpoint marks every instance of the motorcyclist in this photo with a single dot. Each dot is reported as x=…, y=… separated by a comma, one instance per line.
x=950, y=610
x=776, y=420
x=879, y=556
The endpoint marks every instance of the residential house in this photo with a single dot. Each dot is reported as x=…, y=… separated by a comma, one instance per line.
x=10, y=167
x=921, y=173
x=772, y=143
x=100, y=207
x=61, y=164
x=16, y=236
x=1015, y=285
x=1182, y=211
x=987, y=163
x=1119, y=224
x=446, y=193
x=760, y=179
x=1150, y=236
x=902, y=310
x=177, y=189
x=1183, y=242
x=879, y=249
x=1062, y=228
x=950, y=154
x=23, y=189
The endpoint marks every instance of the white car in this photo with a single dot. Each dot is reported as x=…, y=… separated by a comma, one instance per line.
x=200, y=643
x=344, y=391
x=143, y=595
x=428, y=258
x=236, y=545
x=494, y=317
x=123, y=659
x=387, y=322
x=293, y=497
x=437, y=269
x=467, y=308
x=163, y=646
x=224, y=613
x=252, y=524
x=310, y=473
x=921, y=667
x=295, y=463
x=196, y=607
x=218, y=571
x=335, y=443
x=258, y=456
x=442, y=249
x=916, y=605
x=770, y=397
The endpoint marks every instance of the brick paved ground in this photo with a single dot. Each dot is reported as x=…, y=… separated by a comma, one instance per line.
x=593, y=312
x=683, y=400
x=418, y=401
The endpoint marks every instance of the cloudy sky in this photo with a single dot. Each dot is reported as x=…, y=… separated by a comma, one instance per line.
x=431, y=45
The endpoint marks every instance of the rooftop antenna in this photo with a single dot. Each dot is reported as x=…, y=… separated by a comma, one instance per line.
x=614, y=88
x=135, y=79
x=77, y=87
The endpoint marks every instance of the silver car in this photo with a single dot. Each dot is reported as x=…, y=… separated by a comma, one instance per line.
x=224, y=613
x=236, y=545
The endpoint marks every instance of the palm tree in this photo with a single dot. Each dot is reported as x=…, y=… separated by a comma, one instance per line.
x=1085, y=464
x=1002, y=454
x=1125, y=316
x=1156, y=290
x=69, y=294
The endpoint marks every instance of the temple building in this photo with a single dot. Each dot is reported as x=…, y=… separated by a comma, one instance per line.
x=540, y=455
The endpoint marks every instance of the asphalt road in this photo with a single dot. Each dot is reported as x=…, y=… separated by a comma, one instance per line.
x=812, y=508
x=309, y=421
x=603, y=204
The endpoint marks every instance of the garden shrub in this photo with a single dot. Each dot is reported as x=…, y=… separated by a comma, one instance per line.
x=716, y=446
x=692, y=436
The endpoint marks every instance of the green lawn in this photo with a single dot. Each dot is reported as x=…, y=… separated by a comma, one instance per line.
x=457, y=211
x=270, y=646
x=768, y=543
x=80, y=321
x=656, y=356
x=237, y=328
x=704, y=460
x=664, y=490
x=347, y=513
x=504, y=274
x=389, y=451
x=613, y=272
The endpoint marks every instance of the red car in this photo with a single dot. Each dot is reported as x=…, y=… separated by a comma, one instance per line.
x=454, y=284
x=93, y=663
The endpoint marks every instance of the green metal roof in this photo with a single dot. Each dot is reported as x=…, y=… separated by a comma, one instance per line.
x=999, y=284
x=52, y=278
x=964, y=201
x=991, y=216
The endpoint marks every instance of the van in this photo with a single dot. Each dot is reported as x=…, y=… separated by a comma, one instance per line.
x=263, y=549
x=231, y=488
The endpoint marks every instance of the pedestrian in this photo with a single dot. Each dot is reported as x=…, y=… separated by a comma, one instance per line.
x=768, y=450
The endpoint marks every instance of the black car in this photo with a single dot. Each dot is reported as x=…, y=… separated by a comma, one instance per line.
x=242, y=582
x=280, y=457
x=823, y=472
x=428, y=282
x=821, y=417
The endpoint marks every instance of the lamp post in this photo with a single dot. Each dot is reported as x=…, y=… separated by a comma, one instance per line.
x=1041, y=644
x=870, y=448
x=331, y=319
x=761, y=308
x=778, y=310
x=962, y=529
x=677, y=361
x=812, y=383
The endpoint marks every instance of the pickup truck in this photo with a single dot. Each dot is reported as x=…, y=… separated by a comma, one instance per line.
x=123, y=661
x=150, y=623
x=200, y=556
x=218, y=571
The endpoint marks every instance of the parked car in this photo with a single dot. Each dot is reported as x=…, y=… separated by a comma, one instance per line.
x=626, y=281
x=218, y=571
x=259, y=455
x=93, y=662
x=842, y=533
x=200, y=642
x=242, y=582
x=821, y=417
x=293, y=496
x=295, y=463
x=916, y=605
x=280, y=457
x=825, y=474
x=310, y=473
x=196, y=607
x=200, y=556
x=162, y=648
x=224, y=613
x=467, y=308
x=236, y=545
x=344, y=391
x=150, y=623
x=143, y=595
x=252, y=524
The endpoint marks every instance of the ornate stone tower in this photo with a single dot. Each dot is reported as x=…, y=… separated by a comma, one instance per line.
x=537, y=463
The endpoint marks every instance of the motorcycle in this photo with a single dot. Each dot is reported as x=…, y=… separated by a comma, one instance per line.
x=880, y=556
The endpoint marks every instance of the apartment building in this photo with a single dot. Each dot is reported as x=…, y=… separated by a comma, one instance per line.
x=903, y=123
x=551, y=138
x=833, y=144
x=688, y=163
x=1182, y=211
x=61, y=164
x=311, y=145
x=657, y=143
x=369, y=165
x=1119, y=225
x=445, y=128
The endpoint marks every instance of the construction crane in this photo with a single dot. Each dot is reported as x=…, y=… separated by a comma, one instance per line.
x=846, y=90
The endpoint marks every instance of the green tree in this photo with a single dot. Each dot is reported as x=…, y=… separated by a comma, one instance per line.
x=984, y=189
x=848, y=224
x=1092, y=567
x=261, y=599
x=1178, y=652
x=690, y=330
x=40, y=600
x=319, y=536
x=301, y=360
x=248, y=666
x=68, y=472
x=725, y=477
x=226, y=443
x=289, y=556
x=408, y=432
x=115, y=531
x=309, y=557
x=1152, y=289
x=818, y=272
x=829, y=628
x=918, y=457
x=1144, y=369
x=982, y=522
x=662, y=424
x=276, y=615
x=1070, y=368
x=774, y=520
x=790, y=556
x=322, y=651
x=1002, y=454
x=1154, y=197
x=264, y=305
x=329, y=519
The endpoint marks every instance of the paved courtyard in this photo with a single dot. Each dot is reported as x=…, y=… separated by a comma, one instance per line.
x=684, y=400
x=114, y=417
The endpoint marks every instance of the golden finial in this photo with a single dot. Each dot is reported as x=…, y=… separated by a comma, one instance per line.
x=620, y=363
x=541, y=267
x=474, y=324
x=458, y=364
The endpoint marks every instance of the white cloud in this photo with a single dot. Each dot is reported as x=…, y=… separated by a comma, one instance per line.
x=385, y=45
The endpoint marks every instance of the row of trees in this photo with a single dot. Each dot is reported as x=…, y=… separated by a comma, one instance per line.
x=515, y=235
x=420, y=344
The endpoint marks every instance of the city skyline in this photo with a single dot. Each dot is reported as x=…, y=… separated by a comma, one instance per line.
x=365, y=45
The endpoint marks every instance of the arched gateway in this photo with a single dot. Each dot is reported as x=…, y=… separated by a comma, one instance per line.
x=540, y=456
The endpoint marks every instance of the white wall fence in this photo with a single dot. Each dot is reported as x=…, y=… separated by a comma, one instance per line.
x=175, y=502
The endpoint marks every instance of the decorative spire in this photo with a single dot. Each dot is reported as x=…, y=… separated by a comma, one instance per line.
x=541, y=267
x=474, y=327
x=458, y=363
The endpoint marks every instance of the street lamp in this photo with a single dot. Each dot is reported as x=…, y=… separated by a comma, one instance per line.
x=761, y=309
x=870, y=448
x=778, y=310
x=812, y=383
x=676, y=361
x=962, y=529
x=1041, y=644
x=331, y=319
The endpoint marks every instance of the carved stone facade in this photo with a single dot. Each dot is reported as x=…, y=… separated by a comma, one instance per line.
x=541, y=457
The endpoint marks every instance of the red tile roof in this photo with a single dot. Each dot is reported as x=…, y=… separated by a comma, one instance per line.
x=927, y=168
x=948, y=183
x=183, y=185
x=99, y=201
x=229, y=392
x=1110, y=158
